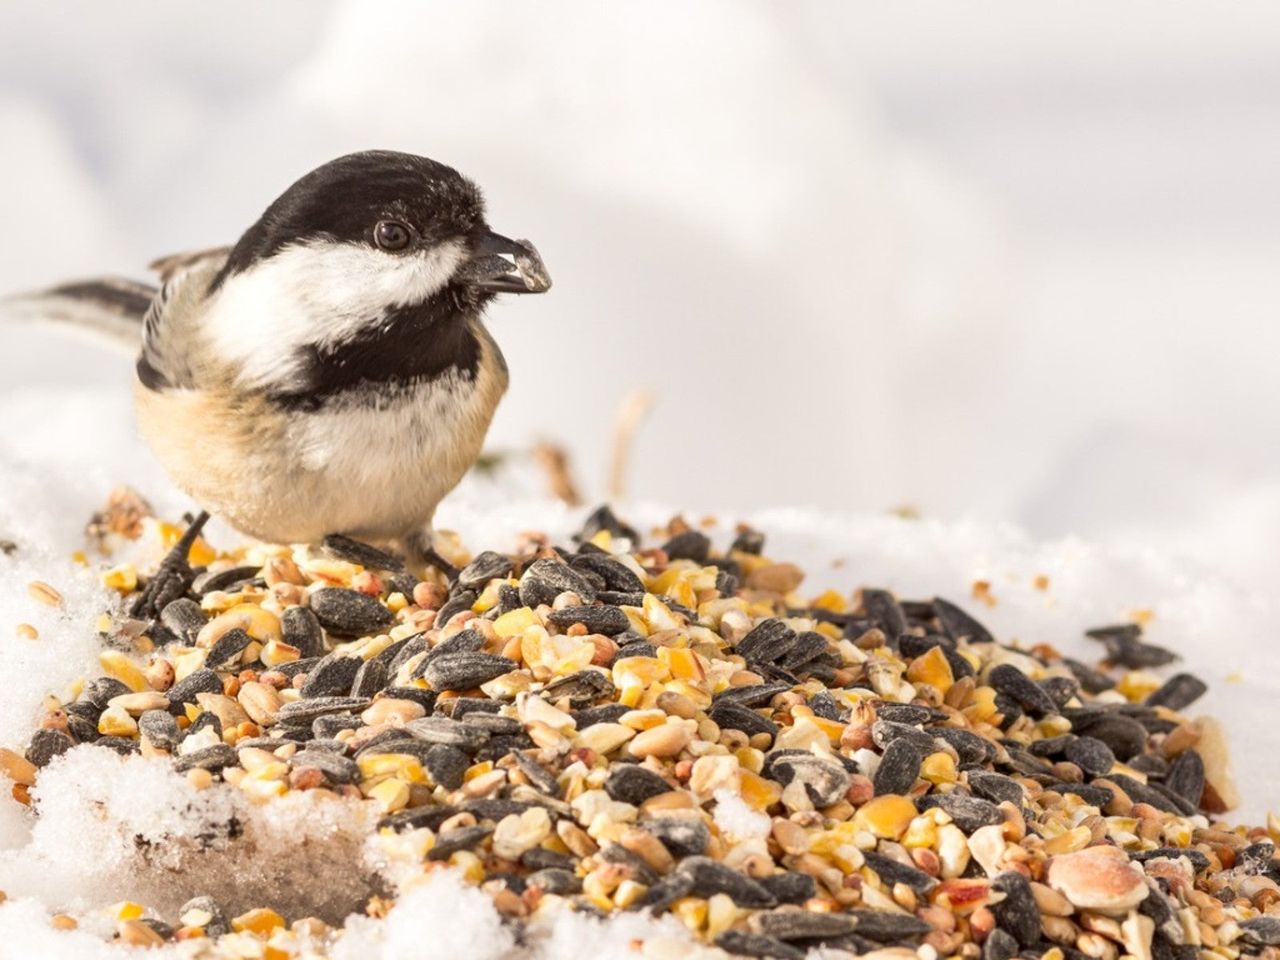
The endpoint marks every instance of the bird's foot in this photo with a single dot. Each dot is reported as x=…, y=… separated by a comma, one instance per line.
x=173, y=578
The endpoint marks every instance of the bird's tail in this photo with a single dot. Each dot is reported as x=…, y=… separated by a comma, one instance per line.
x=107, y=309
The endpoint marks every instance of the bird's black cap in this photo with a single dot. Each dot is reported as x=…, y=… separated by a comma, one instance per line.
x=345, y=199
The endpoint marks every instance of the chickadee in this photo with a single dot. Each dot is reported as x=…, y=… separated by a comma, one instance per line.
x=329, y=374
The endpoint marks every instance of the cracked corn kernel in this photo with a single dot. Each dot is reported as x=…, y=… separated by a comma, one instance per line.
x=682, y=663
x=391, y=794
x=125, y=910
x=119, y=667
x=628, y=892
x=757, y=792
x=261, y=922
x=375, y=765
x=116, y=722
x=123, y=578
x=938, y=768
x=692, y=912
x=932, y=668
x=514, y=622
x=886, y=816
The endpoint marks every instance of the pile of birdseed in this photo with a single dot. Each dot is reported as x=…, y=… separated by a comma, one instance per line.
x=605, y=729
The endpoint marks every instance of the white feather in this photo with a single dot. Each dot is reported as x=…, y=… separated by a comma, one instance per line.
x=321, y=292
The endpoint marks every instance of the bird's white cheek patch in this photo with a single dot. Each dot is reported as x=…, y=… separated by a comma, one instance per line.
x=317, y=293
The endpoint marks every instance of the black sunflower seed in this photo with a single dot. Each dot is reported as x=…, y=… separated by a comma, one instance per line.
x=603, y=518
x=605, y=713
x=1199, y=860
x=969, y=747
x=682, y=836
x=556, y=880
x=1091, y=793
x=744, y=944
x=1017, y=913
x=349, y=613
x=996, y=787
x=957, y=624
x=1178, y=692
x=463, y=838
x=330, y=725
x=824, y=705
x=493, y=724
x=1186, y=776
x=47, y=744
x=184, y=618
x=447, y=730
x=1009, y=680
x=1061, y=690
x=446, y=764
x=188, y=688
x=617, y=576
x=101, y=691
x=226, y=650
x=899, y=767
x=1126, y=650
x=223, y=579
x=893, y=871
x=711, y=877
x=121, y=745
x=159, y=729
x=807, y=646
x=312, y=707
x=790, y=887
x=885, y=732
x=546, y=579
x=752, y=696
x=767, y=641
x=1091, y=680
x=733, y=716
x=1091, y=755
x=999, y=945
x=688, y=545
x=459, y=601
x=609, y=621
x=885, y=612
x=803, y=924
x=486, y=566
x=332, y=676
x=463, y=671
x=337, y=769
x=353, y=551
x=1261, y=931
x=883, y=927
x=210, y=758
x=634, y=784
x=1125, y=736
x=969, y=813
x=538, y=775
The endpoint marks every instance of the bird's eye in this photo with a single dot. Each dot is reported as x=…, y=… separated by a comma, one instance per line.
x=392, y=235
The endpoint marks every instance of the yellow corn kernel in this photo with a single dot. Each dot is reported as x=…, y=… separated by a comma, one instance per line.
x=116, y=722
x=391, y=795
x=721, y=914
x=659, y=616
x=696, y=692
x=119, y=667
x=263, y=789
x=636, y=617
x=397, y=602
x=750, y=759
x=262, y=625
x=923, y=832
x=188, y=662
x=276, y=652
x=513, y=622
x=692, y=912
x=477, y=770
x=400, y=765
x=938, y=768
x=597, y=891
x=1137, y=684
x=831, y=600
x=1068, y=842
x=683, y=664
x=886, y=816
x=757, y=792
x=848, y=858
x=260, y=921
x=639, y=671
x=488, y=598
x=832, y=728
x=983, y=707
x=666, y=581
x=123, y=579
x=200, y=554
x=125, y=910
x=932, y=668
x=628, y=892
x=472, y=867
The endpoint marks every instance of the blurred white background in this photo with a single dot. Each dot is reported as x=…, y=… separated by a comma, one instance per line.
x=1005, y=260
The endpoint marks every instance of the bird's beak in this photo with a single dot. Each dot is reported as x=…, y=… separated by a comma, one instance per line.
x=499, y=265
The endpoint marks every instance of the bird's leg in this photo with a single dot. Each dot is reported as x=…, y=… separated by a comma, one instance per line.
x=421, y=552
x=172, y=578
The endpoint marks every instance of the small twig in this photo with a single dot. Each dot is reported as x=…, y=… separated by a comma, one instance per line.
x=553, y=459
x=634, y=408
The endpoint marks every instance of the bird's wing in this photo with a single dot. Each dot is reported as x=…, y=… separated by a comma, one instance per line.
x=108, y=309
x=174, y=264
